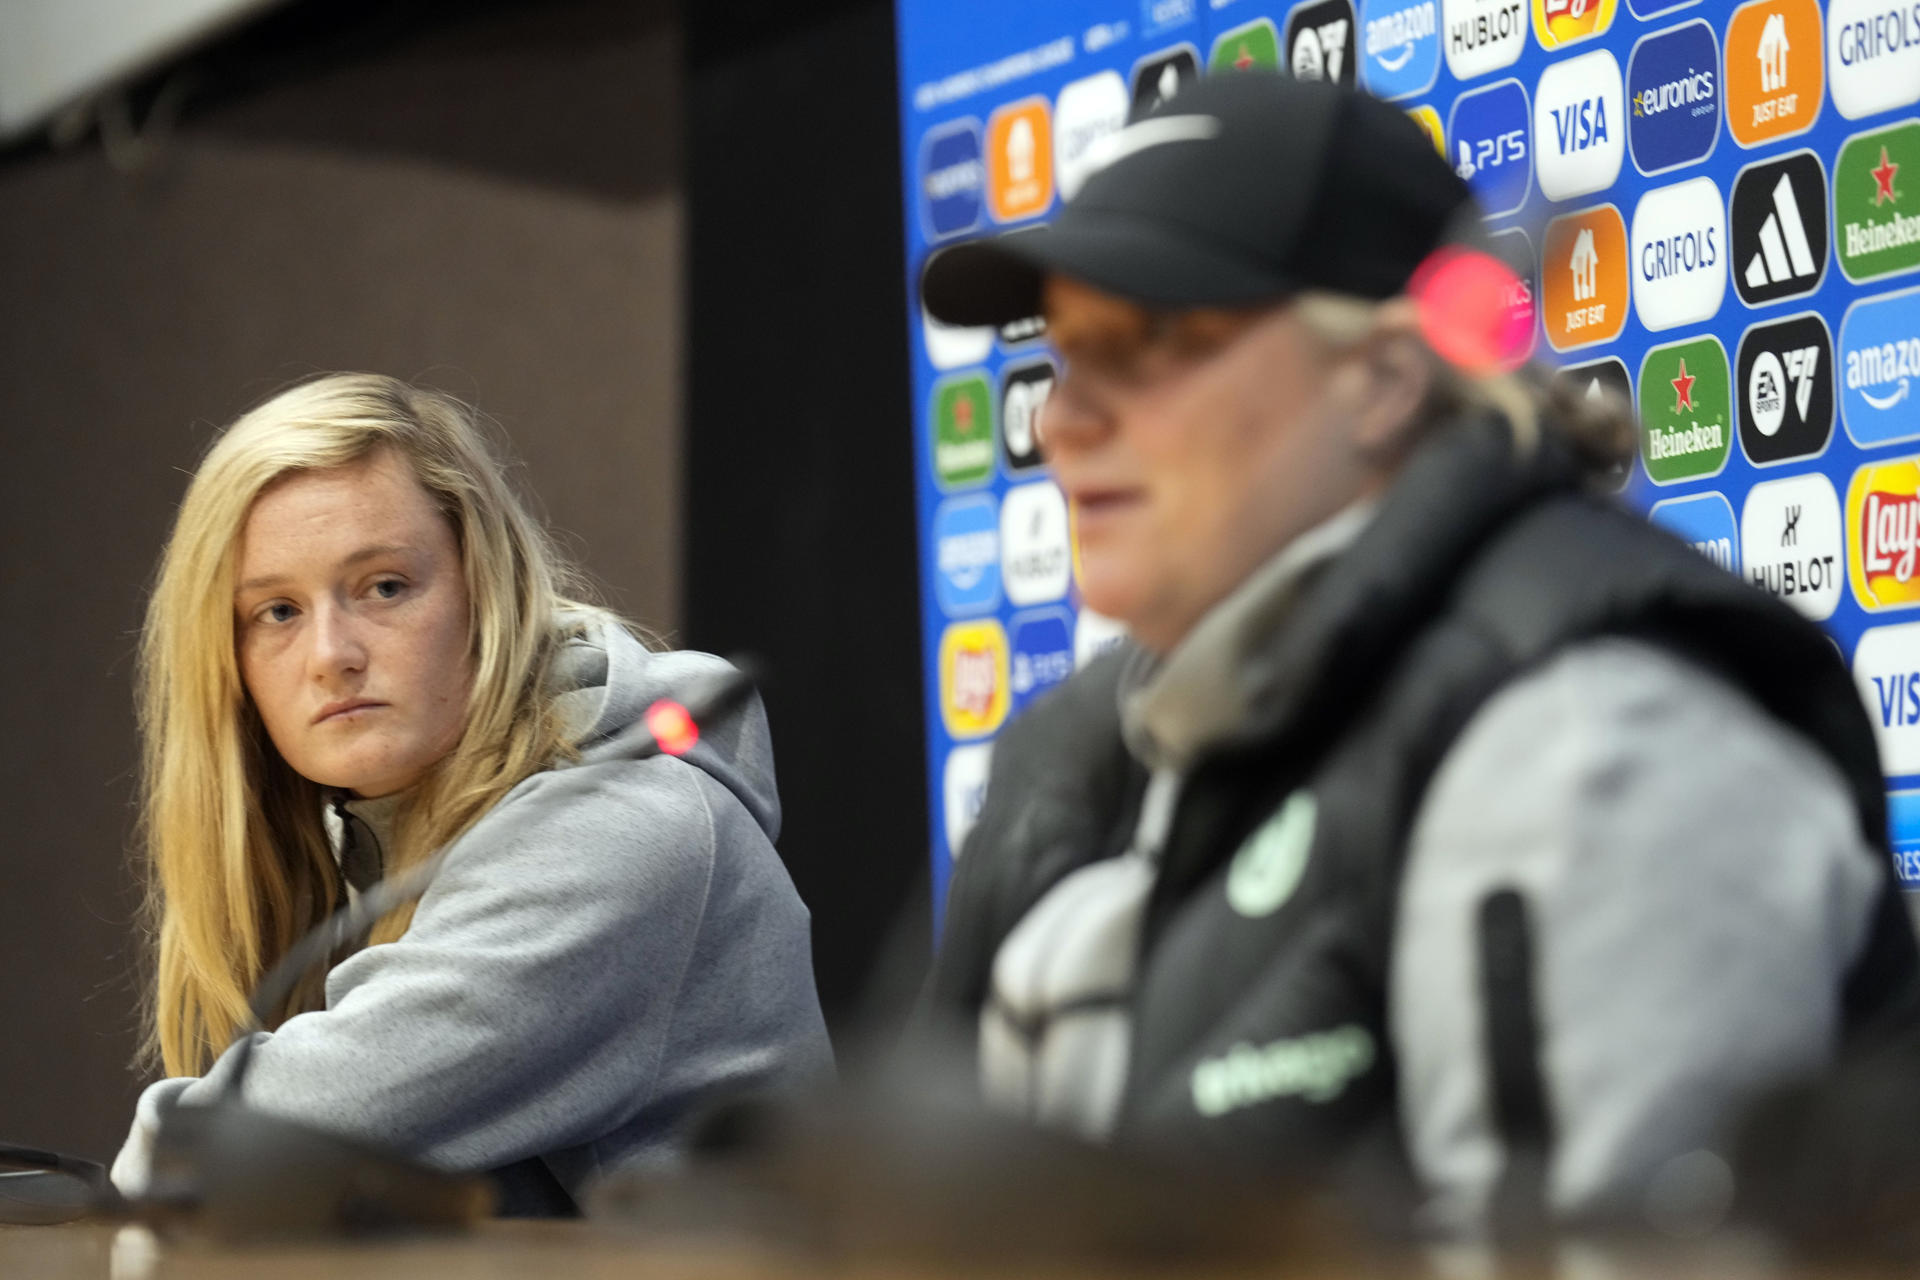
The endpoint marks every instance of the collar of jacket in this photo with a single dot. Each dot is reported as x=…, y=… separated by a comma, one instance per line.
x=1172, y=708
x=1293, y=651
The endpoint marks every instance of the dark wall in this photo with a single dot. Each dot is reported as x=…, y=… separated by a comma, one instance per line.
x=800, y=454
x=485, y=200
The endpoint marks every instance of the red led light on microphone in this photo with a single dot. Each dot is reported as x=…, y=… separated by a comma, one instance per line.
x=1471, y=311
x=672, y=727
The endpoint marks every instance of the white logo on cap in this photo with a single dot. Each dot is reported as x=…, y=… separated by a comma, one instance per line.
x=1142, y=134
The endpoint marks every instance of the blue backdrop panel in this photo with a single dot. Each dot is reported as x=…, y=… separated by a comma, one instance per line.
x=1721, y=206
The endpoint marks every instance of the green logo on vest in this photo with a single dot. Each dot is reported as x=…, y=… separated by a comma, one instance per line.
x=1876, y=202
x=1268, y=867
x=1315, y=1068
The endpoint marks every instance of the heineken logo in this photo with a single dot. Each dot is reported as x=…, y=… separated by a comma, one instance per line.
x=1876, y=202
x=963, y=445
x=1685, y=410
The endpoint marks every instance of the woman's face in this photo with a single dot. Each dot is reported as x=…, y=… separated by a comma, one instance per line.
x=1191, y=447
x=351, y=624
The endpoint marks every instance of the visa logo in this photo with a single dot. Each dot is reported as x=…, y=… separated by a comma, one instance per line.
x=1899, y=698
x=1580, y=125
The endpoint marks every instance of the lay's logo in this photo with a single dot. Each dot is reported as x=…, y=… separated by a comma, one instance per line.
x=1558, y=23
x=975, y=687
x=1883, y=528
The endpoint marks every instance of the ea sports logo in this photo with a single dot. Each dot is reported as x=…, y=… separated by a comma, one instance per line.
x=1784, y=376
x=1320, y=41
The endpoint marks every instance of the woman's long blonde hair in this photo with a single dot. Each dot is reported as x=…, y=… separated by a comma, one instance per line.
x=238, y=860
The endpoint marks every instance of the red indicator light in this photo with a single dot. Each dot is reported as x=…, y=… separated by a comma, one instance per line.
x=672, y=727
x=1468, y=309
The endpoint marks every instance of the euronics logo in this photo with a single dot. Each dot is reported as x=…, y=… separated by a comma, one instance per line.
x=1673, y=97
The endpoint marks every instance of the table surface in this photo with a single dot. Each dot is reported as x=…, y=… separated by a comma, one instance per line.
x=588, y=1251
x=89, y=1251
x=496, y=1249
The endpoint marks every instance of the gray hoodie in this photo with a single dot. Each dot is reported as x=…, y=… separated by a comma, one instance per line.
x=615, y=942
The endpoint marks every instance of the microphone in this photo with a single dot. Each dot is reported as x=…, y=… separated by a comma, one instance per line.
x=239, y=1173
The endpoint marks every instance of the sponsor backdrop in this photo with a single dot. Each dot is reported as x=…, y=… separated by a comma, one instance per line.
x=1719, y=209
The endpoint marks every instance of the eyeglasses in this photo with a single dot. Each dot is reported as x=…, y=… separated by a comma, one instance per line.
x=39, y=1188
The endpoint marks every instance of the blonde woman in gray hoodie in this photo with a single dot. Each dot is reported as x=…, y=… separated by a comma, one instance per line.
x=360, y=651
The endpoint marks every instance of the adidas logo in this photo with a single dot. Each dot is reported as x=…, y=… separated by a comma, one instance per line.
x=1784, y=253
x=1779, y=225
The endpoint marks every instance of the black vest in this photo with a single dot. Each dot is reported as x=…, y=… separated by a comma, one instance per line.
x=1263, y=1037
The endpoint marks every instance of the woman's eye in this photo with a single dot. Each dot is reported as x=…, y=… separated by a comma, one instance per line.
x=278, y=612
x=388, y=588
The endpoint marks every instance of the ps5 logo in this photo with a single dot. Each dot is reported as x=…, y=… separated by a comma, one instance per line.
x=1492, y=152
x=1489, y=132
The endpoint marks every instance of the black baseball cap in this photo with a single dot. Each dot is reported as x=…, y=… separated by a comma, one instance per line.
x=1246, y=187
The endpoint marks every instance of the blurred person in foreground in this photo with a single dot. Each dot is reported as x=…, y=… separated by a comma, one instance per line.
x=361, y=650
x=1441, y=816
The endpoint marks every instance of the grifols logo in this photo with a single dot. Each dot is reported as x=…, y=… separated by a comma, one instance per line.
x=1883, y=528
